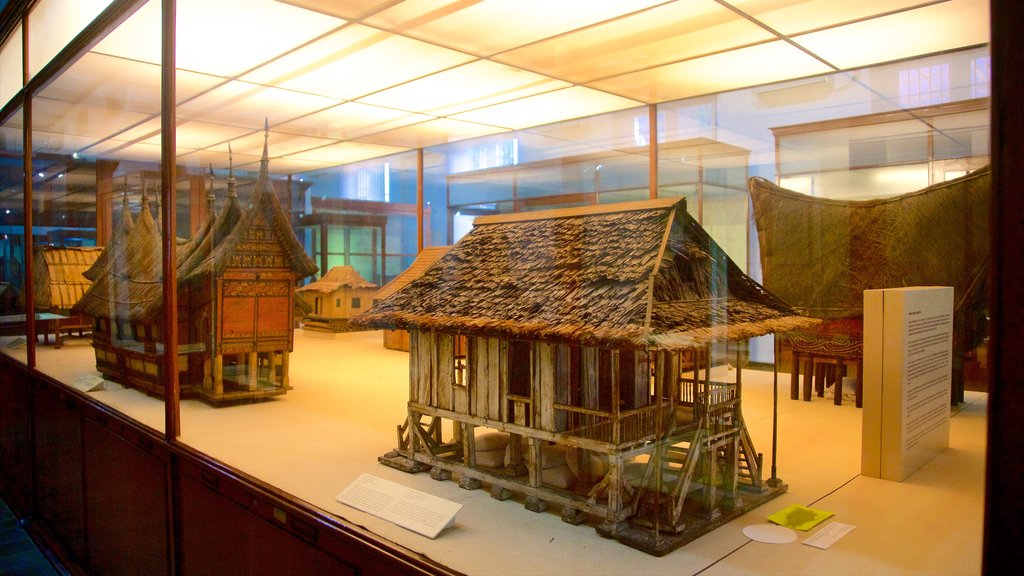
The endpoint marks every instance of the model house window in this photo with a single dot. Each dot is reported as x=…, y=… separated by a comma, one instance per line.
x=316, y=305
x=356, y=303
x=461, y=350
x=337, y=302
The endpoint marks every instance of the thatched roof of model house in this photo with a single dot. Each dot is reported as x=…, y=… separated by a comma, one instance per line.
x=337, y=277
x=424, y=260
x=130, y=284
x=819, y=255
x=641, y=274
x=117, y=239
x=58, y=275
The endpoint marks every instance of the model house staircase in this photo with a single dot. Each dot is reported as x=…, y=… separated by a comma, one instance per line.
x=668, y=478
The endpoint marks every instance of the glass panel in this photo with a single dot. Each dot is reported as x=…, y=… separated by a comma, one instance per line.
x=594, y=160
x=10, y=67
x=97, y=235
x=12, y=238
x=54, y=23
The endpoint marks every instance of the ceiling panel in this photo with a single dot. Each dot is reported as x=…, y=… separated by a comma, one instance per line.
x=196, y=135
x=218, y=37
x=555, y=106
x=933, y=28
x=343, y=152
x=81, y=119
x=751, y=66
x=246, y=105
x=796, y=16
x=278, y=144
x=487, y=27
x=433, y=132
x=475, y=85
x=354, y=62
x=665, y=34
x=351, y=120
x=347, y=9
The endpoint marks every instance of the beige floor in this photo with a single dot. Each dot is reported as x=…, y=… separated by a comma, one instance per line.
x=349, y=394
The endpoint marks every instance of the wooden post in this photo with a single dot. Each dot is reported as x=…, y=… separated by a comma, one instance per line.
x=284, y=368
x=252, y=374
x=104, y=200
x=196, y=201
x=218, y=375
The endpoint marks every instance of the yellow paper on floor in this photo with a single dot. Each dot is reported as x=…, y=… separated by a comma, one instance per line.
x=799, y=517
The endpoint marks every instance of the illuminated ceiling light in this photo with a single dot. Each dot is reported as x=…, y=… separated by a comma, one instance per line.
x=575, y=102
x=366, y=58
x=474, y=85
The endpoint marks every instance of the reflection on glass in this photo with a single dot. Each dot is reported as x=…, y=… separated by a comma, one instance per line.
x=97, y=235
x=12, y=239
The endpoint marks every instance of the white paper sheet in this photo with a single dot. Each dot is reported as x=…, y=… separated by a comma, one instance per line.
x=828, y=535
x=417, y=511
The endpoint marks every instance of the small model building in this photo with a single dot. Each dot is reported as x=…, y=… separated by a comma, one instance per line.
x=820, y=254
x=568, y=353
x=236, y=297
x=336, y=297
x=399, y=339
x=59, y=284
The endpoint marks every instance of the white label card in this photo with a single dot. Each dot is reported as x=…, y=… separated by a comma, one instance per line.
x=828, y=535
x=417, y=511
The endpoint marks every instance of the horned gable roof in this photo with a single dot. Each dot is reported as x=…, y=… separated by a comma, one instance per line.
x=264, y=207
x=639, y=274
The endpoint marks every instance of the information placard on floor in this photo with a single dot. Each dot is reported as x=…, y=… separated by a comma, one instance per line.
x=908, y=361
x=418, y=511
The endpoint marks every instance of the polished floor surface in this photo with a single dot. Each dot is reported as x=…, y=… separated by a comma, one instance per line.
x=19, y=556
x=349, y=393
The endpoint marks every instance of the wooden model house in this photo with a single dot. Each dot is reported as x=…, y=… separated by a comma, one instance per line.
x=399, y=339
x=820, y=254
x=59, y=283
x=569, y=354
x=236, y=291
x=335, y=297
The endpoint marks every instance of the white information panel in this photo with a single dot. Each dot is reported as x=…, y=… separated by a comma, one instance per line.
x=908, y=362
x=418, y=511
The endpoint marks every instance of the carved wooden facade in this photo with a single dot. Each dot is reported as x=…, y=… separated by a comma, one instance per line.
x=236, y=294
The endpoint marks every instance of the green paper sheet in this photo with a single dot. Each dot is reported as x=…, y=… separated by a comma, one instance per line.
x=799, y=517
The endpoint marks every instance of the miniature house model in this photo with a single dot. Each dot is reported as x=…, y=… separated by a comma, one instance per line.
x=336, y=297
x=820, y=254
x=568, y=352
x=236, y=286
x=399, y=339
x=59, y=283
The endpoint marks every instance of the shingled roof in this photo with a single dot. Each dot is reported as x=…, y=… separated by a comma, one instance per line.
x=642, y=274
x=821, y=254
x=424, y=260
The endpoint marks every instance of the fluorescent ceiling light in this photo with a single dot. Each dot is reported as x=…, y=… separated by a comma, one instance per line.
x=246, y=105
x=81, y=119
x=345, y=152
x=665, y=34
x=350, y=120
x=354, y=62
x=933, y=28
x=749, y=66
x=433, y=132
x=491, y=26
x=555, y=106
x=473, y=85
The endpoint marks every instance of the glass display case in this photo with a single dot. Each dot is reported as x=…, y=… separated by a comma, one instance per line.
x=207, y=288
